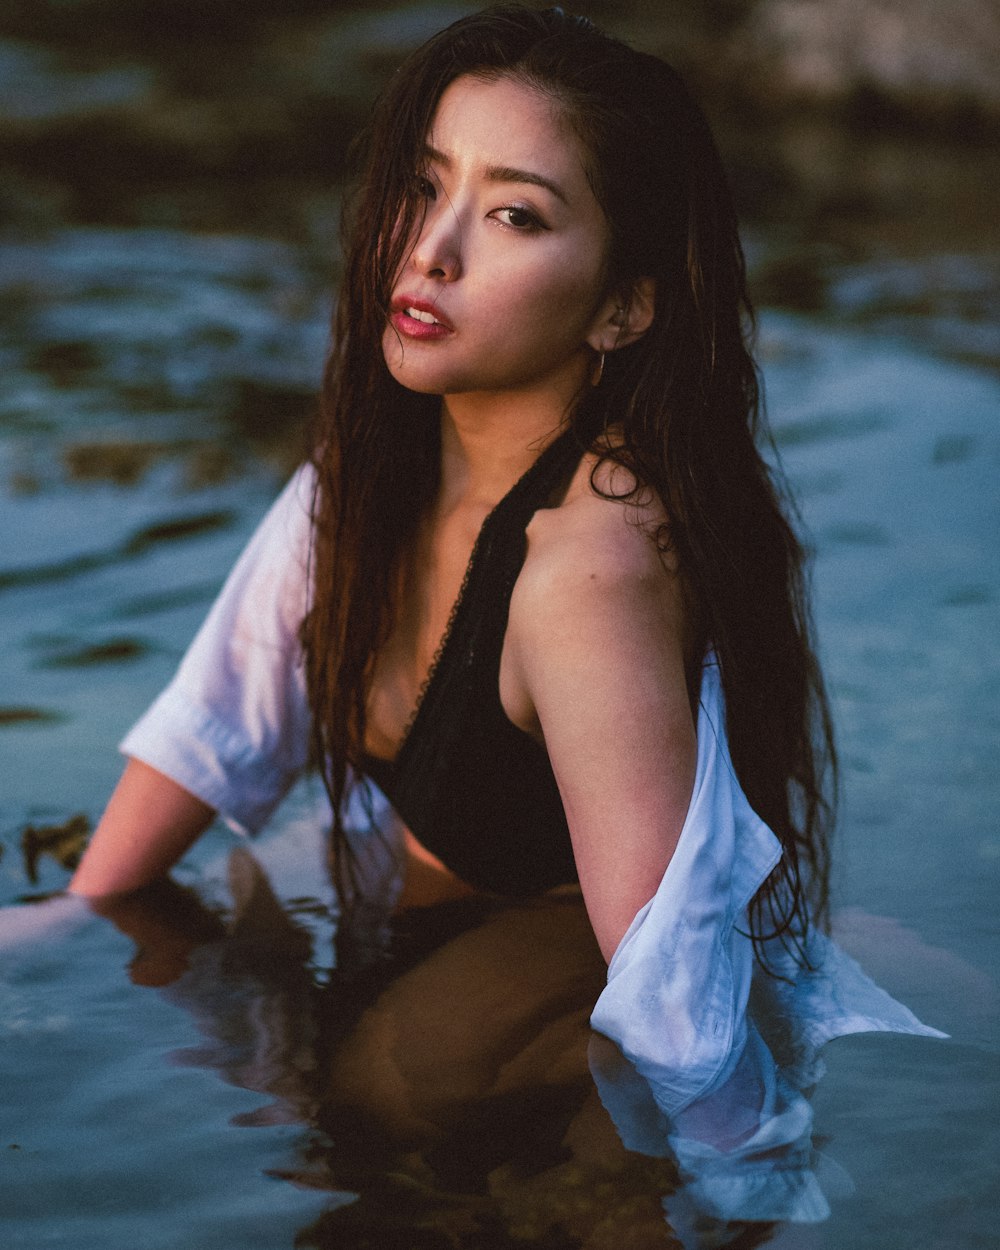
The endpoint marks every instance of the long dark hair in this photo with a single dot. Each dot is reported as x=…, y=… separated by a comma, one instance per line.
x=683, y=401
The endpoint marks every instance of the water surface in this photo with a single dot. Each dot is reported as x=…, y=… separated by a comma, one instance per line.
x=189, y=1072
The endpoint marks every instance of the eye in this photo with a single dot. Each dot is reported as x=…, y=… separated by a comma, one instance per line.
x=517, y=218
x=423, y=188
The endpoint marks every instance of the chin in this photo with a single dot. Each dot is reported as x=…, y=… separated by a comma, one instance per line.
x=426, y=381
x=421, y=381
x=420, y=385
x=419, y=389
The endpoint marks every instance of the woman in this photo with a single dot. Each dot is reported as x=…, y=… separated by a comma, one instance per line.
x=534, y=555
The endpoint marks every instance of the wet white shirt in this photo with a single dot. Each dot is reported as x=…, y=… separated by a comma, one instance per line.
x=686, y=1000
x=232, y=726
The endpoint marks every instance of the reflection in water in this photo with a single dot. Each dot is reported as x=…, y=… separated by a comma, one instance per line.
x=454, y=1093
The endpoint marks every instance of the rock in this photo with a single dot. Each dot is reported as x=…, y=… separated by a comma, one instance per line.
x=64, y=843
x=205, y=114
x=917, y=57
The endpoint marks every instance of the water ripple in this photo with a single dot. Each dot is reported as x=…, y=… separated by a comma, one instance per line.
x=172, y=530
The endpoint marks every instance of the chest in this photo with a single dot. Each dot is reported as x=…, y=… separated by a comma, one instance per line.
x=431, y=584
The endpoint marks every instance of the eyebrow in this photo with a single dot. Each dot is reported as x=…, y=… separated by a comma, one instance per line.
x=503, y=173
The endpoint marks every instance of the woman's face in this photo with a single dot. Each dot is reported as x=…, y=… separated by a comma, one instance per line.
x=507, y=276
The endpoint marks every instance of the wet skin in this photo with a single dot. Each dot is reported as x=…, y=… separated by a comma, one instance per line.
x=509, y=260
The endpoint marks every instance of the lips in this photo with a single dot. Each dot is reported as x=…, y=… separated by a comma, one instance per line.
x=419, y=318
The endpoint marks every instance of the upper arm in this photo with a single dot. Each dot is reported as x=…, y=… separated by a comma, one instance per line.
x=597, y=632
x=230, y=731
x=232, y=727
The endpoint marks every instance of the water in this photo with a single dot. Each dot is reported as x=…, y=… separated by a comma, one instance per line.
x=186, y=1072
x=145, y=1106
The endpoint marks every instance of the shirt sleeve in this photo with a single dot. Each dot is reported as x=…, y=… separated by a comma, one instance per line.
x=678, y=998
x=232, y=727
x=678, y=984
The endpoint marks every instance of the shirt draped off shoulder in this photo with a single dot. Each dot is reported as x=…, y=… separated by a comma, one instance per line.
x=686, y=1000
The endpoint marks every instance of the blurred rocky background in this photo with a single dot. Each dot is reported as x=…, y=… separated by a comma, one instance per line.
x=223, y=114
x=170, y=173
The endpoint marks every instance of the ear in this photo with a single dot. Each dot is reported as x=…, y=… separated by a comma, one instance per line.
x=624, y=316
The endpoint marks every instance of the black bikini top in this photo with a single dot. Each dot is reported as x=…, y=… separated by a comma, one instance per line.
x=477, y=791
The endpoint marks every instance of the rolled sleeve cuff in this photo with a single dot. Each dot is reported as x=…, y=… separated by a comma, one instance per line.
x=215, y=762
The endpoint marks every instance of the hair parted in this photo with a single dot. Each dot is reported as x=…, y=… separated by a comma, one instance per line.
x=683, y=401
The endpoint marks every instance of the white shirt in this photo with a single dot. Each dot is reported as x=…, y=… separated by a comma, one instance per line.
x=685, y=1000
x=232, y=726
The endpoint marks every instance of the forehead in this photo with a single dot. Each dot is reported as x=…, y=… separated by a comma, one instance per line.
x=506, y=123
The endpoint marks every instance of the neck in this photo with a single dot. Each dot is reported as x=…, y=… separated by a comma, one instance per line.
x=487, y=443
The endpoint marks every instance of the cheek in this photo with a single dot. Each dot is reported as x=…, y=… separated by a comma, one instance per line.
x=573, y=277
x=565, y=302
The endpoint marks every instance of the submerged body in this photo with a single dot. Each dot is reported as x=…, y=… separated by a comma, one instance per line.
x=679, y=982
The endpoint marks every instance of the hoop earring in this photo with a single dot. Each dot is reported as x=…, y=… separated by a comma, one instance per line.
x=595, y=377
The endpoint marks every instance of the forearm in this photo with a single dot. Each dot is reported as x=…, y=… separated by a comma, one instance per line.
x=149, y=823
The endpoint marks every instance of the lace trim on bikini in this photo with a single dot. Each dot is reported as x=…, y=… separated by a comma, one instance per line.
x=443, y=643
x=527, y=479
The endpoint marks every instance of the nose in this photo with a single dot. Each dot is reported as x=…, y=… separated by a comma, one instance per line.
x=438, y=252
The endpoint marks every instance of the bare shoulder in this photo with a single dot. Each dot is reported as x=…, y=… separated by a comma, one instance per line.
x=596, y=591
x=604, y=541
x=595, y=663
